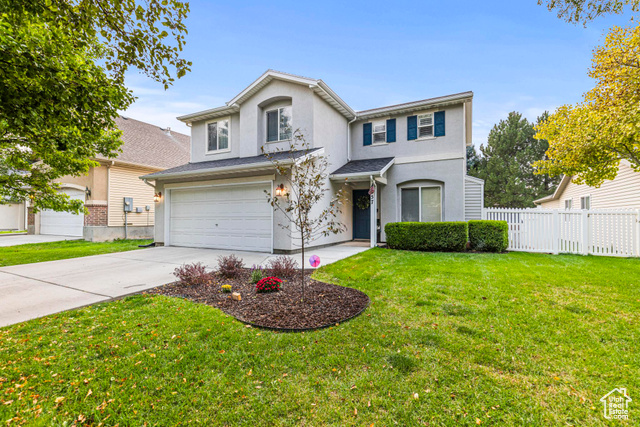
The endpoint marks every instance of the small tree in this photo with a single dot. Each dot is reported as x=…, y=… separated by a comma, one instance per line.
x=306, y=178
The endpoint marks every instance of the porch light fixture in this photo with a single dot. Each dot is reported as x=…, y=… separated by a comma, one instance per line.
x=87, y=191
x=157, y=197
x=280, y=191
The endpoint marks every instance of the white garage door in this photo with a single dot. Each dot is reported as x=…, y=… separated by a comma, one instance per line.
x=63, y=223
x=229, y=217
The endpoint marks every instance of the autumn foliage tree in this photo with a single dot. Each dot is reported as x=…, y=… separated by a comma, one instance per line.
x=63, y=64
x=588, y=140
x=305, y=174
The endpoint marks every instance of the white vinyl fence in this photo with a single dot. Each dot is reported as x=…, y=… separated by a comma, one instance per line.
x=587, y=232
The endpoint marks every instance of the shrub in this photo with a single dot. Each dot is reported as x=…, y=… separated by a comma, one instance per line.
x=226, y=288
x=230, y=266
x=282, y=266
x=427, y=236
x=256, y=274
x=268, y=284
x=489, y=236
x=192, y=274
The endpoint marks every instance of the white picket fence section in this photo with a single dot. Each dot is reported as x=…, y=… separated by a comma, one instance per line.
x=587, y=232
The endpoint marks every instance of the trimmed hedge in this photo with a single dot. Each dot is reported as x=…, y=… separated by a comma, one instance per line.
x=427, y=236
x=488, y=236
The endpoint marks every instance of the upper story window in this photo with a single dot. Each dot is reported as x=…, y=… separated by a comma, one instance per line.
x=279, y=124
x=425, y=125
x=379, y=132
x=218, y=136
x=585, y=202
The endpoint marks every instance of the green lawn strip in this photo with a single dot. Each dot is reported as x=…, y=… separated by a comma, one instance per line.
x=51, y=251
x=507, y=339
x=12, y=231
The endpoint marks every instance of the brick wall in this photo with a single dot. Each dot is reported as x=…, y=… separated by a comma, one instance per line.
x=97, y=215
x=31, y=217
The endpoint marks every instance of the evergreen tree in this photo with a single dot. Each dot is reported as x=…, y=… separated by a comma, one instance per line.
x=473, y=159
x=506, y=164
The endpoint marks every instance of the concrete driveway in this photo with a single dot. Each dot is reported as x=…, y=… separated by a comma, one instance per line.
x=34, y=290
x=22, y=239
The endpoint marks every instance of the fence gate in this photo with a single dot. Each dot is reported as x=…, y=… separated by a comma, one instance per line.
x=594, y=232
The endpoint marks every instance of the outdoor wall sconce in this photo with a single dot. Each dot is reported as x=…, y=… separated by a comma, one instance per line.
x=87, y=191
x=157, y=197
x=280, y=191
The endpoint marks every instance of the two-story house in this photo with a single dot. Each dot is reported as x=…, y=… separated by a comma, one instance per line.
x=404, y=162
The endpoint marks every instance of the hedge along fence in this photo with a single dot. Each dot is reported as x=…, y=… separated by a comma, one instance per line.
x=489, y=236
x=427, y=236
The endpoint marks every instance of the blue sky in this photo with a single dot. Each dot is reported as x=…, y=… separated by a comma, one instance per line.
x=514, y=55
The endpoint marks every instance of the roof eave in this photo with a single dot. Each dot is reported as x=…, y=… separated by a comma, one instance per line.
x=415, y=106
x=209, y=114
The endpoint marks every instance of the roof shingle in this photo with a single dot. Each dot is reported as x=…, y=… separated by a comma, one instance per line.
x=236, y=161
x=363, y=166
x=150, y=145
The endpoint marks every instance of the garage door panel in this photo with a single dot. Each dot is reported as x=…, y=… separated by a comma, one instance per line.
x=231, y=217
x=63, y=223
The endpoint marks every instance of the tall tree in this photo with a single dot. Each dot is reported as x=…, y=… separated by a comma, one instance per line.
x=588, y=140
x=62, y=68
x=306, y=178
x=506, y=165
x=583, y=11
x=473, y=159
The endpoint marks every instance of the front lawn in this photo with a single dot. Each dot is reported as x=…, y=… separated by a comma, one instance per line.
x=51, y=251
x=450, y=339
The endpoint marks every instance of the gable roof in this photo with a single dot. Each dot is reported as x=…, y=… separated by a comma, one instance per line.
x=316, y=85
x=145, y=144
x=364, y=167
x=325, y=92
x=408, y=107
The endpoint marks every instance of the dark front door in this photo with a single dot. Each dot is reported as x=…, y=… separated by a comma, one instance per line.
x=361, y=217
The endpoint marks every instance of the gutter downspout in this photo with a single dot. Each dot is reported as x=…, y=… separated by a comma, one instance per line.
x=355, y=117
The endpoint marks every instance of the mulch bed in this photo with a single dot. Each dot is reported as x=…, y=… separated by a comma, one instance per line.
x=324, y=304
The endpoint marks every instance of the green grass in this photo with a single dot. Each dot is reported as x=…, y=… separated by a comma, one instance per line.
x=507, y=339
x=12, y=231
x=51, y=251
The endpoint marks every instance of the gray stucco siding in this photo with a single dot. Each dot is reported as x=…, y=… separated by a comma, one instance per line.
x=448, y=173
x=451, y=143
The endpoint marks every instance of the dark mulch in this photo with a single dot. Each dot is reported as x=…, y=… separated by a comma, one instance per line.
x=324, y=304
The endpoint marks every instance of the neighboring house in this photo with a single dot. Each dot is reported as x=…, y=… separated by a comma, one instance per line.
x=146, y=149
x=412, y=155
x=623, y=192
x=13, y=216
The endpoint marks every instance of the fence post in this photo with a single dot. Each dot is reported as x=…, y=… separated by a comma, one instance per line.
x=585, y=232
x=637, y=234
x=484, y=213
x=556, y=232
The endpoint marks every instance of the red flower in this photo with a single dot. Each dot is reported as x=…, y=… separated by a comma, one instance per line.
x=268, y=284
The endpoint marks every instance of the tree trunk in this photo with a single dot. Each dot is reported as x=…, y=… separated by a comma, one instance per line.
x=303, y=269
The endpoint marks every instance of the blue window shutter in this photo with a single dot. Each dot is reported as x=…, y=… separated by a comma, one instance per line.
x=412, y=127
x=366, y=134
x=438, y=123
x=391, y=130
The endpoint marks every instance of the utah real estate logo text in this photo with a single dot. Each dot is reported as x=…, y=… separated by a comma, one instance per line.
x=616, y=404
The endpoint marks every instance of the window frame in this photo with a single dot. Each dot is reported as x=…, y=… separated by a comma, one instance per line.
x=373, y=132
x=568, y=204
x=266, y=124
x=218, y=150
x=419, y=188
x=582, y=199
x=433, y=126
